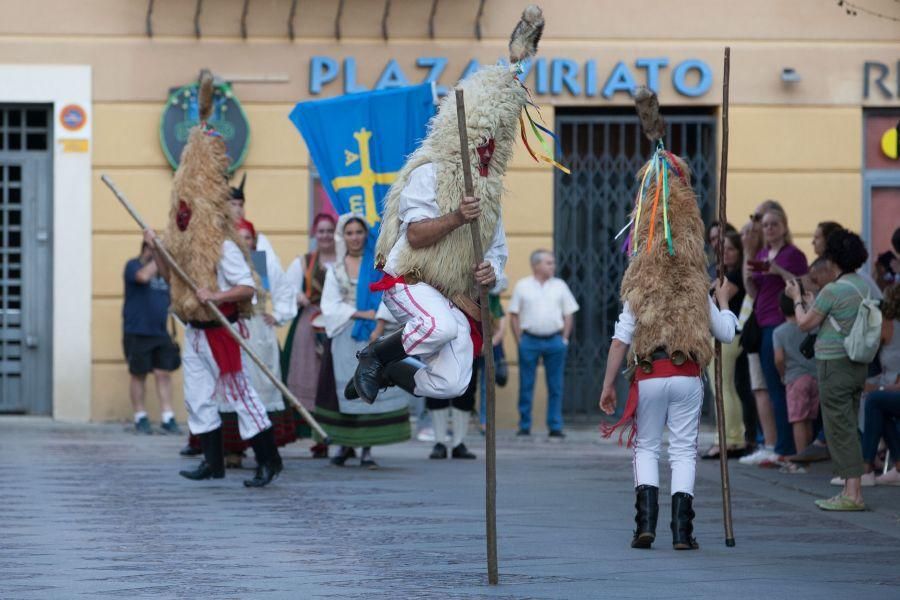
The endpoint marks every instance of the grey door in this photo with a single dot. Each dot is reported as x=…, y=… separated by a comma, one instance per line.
x=25, y=259
x=604, y=151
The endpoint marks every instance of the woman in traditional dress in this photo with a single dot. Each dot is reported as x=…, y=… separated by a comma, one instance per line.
x=301, y=359
x=353, y=423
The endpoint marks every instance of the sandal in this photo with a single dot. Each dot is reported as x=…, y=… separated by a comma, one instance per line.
x=711, y=454
x=840, y=503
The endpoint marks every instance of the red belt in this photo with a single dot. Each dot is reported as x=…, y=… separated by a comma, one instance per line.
x=663, y=367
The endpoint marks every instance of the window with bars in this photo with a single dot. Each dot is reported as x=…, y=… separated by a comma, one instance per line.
x=24, y=129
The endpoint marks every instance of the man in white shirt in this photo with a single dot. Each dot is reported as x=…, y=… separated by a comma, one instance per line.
x=541, y=313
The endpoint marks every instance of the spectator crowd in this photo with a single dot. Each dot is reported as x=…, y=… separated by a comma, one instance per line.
x=813, y=373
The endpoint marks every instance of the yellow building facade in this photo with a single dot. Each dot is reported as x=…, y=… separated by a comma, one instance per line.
x=805, y=79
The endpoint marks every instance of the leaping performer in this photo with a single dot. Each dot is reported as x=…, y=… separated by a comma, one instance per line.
x=664, y=332
x=202, y=238
x=425, y=248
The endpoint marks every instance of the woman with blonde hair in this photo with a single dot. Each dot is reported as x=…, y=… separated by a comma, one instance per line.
x=767, y=267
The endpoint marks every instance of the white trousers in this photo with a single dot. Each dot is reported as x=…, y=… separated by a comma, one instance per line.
x=674, y=402
x=202, y=394
x=436, y=332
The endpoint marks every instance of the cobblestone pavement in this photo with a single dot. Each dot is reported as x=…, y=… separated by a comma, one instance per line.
x=93, y=511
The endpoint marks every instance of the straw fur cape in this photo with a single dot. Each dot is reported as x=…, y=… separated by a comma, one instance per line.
x=494, y=101
x=668, y=293
x=200, y=195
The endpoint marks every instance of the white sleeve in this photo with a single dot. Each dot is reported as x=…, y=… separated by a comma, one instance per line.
x=418, y=199
x=515, y=302
x=234, y=267
x=722, y=323
x=284, y=303
x=569, y=303
x=293, y=276
x=383, y=314
x=337, y=314
x=624, y=331
x=497, y=254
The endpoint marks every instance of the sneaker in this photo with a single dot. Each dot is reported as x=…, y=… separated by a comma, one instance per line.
x=762, y=453
x=171, y=427
x=866, y=480
x=840, y=503
x=523, y=433
x=426, y=434
x=892, y=477
x=556, y=433
x=775, y=462
x=142, y=425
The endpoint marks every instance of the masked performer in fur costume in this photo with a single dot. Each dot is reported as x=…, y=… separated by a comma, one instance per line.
x=202, y=238
x=663, y=330
x=425, y=247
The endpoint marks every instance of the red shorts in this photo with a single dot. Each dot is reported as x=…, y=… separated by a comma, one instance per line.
x=803, y=399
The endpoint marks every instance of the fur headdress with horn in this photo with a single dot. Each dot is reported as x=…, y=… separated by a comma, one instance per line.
x=494, y=99
x=199, y=216
x=666, y=283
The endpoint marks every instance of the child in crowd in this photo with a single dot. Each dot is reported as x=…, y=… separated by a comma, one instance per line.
x=798, y=374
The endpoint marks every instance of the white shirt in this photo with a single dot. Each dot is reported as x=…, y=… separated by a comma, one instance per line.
x=233, y=269
x=722, y=323
x=542, y=306
x=284, y=299
x=418, y=202
x=337, y=313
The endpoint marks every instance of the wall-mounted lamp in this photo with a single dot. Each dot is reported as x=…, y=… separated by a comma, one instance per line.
x=790, y=75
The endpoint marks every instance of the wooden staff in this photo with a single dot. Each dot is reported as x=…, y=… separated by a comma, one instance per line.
x=720, y=270
x=490, y=434
x=217, y=313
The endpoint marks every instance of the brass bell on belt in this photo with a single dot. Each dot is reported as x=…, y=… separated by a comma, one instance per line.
x=679, y=358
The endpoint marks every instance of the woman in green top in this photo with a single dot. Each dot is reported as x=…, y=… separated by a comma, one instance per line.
x=841, y=380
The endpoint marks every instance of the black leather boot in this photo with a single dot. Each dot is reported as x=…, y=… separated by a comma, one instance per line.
x=462, y=452
x=646, y=505
x=403, y=375
x=367, y=380
x=213, y=464
x=683, y=522
x=438, y=452
x=268, y=460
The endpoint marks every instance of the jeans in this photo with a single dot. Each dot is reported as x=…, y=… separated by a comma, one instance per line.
x=882, y=420
x=553, y=351
x=784, y=444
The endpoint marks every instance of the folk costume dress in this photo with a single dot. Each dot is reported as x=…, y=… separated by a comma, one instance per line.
x=302, y=356
x=352, y=423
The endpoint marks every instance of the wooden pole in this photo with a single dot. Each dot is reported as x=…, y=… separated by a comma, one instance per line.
x=720, y=270
x=217, y=313
x=490, y=434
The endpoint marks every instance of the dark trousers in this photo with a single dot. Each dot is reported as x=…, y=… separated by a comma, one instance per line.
x=882, y=421
x=784, y=444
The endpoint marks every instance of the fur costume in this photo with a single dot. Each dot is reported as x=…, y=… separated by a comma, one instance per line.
x=494, y=99
x=199, y=218
x=667, y=284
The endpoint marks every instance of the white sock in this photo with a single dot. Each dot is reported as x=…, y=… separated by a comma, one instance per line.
x=167, y=415
x=460, y=425
x=440, y=418
x=139, y=415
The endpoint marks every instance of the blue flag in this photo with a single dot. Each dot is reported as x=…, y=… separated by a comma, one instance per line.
x=359, y=143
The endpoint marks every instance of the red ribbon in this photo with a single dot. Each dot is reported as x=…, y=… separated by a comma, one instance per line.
x=663, y=367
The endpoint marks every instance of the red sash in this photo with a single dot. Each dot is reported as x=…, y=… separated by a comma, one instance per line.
x=663, y=367
x=227, y=354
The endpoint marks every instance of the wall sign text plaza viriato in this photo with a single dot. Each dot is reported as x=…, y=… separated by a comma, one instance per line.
x=549, y=76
